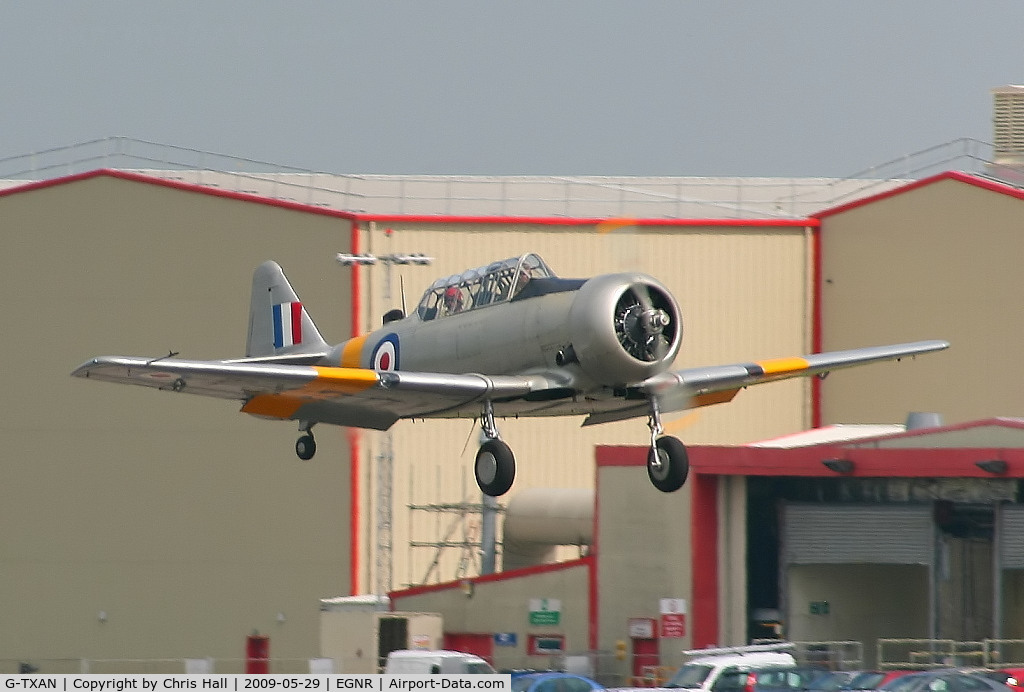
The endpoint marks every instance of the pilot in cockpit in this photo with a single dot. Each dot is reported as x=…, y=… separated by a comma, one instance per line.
x=452, y=300
x=521, y=281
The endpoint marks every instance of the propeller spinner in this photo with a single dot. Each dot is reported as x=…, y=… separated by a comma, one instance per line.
x=643, y=327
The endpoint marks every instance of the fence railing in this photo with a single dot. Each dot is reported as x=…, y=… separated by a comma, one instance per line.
x=919, y=654
x=571, y=196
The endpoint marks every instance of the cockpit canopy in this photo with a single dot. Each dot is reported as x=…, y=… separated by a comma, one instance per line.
x=498, y=282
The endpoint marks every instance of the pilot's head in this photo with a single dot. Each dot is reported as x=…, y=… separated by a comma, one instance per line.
x=452, y=297
x=522, y=280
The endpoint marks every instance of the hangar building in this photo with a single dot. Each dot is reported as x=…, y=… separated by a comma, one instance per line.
x=143, y=525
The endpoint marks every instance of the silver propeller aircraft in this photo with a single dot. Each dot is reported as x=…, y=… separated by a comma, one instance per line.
x=510, y=339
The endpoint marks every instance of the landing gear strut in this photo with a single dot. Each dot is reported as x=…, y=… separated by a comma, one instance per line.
x=495, y=466
x=667, y=461
x=305, y=446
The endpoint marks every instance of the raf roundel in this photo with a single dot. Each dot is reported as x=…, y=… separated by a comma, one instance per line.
x=385, y=354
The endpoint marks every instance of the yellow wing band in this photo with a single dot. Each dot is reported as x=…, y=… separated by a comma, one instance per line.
x=328, y=384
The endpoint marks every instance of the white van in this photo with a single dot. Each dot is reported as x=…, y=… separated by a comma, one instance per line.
x=426, y=662
x=706, y=665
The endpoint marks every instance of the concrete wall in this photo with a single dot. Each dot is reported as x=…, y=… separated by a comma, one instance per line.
x=503, y=605
x=865, y=602
x=644, y=555
x=188, y=524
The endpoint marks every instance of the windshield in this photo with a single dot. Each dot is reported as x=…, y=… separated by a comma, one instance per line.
x=479, y=669
x=497, y=282
x=690, y=676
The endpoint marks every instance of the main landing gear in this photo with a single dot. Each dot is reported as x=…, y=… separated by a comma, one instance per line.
x=667, y=462
x=495, y=466
x=305, y=446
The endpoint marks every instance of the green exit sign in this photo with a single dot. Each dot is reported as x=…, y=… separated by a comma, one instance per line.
x=819, y=607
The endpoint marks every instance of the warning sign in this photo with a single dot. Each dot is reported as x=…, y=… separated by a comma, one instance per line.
x=673, y=625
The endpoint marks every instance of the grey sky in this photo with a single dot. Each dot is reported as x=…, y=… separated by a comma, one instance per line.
x=600, y=87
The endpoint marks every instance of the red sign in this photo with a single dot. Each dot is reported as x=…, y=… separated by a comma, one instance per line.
x=673, y=625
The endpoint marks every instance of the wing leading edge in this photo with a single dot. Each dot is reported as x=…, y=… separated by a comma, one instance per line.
x=342, y=396
x=695, y=387
x=370, y=399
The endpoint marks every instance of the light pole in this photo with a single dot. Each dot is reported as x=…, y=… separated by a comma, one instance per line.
x=385, y=459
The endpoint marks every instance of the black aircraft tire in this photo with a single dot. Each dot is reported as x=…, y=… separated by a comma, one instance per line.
x=669, y=469
x=305, y=447
x=495, y=468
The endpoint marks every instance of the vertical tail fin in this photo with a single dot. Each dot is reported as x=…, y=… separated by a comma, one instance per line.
x=278, y=323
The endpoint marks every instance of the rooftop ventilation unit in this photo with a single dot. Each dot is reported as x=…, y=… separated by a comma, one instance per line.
x=1008, y=125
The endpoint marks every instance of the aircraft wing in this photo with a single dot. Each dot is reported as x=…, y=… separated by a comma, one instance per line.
x=696, y=387
x=343, y=396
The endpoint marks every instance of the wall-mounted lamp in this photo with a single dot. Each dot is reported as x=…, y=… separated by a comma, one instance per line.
x=838, y=465
x=467, y=587
x=102, y=616
x=281, y=618
x=994, y=466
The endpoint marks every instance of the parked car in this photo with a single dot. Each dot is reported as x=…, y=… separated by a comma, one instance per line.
x=426, y=662
x=1011, y=677
x=771, y=679
x=944, y=680
x=831, y=681
x=873, y=679
x=554, y=682
x=702, y=672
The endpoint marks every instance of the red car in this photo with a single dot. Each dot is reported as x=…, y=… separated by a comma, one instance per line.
x=1011, y=677
x=873, y=679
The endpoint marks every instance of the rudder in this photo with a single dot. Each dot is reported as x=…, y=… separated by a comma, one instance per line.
x=279, y=325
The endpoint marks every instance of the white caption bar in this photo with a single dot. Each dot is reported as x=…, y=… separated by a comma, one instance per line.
x=242, y=683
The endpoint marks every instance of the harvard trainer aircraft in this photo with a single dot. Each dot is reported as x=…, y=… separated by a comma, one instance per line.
x=510, y=339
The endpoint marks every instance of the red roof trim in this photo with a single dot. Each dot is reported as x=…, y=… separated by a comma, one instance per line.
x=919, y=462
x=178, y=185
x=621, y=455
x=983, y=183
x=589, y=221
x=867, y=463
x=407, y=218
x=586, y=562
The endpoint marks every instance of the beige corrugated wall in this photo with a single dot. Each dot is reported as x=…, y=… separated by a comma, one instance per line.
x=744, y=294
x=941, y=261
x=187, y=523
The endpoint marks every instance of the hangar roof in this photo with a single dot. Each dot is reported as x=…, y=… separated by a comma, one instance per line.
x=829, y=434
x=570, y=196
x=1012, y=183
x=950, y=451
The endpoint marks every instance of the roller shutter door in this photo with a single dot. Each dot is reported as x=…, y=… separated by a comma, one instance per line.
x=1011, y=536
x=870, y=534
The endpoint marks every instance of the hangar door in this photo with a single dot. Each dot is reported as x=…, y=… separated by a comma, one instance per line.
x=873, y=534
x=1009, y=590
x=857, y=572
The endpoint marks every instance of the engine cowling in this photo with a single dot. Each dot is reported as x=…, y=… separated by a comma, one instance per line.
x=624, y=328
